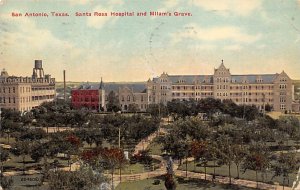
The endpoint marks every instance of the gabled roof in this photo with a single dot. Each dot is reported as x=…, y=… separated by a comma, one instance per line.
x=191, y=79
x=114, y=86
x=187, y=79
x=266, y=78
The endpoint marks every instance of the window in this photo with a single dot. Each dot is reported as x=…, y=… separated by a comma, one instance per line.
x=128, y=98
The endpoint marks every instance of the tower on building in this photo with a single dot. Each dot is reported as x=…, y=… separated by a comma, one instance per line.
x=38, y=71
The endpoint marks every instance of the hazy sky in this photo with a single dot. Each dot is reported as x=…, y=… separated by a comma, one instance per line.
x=252, y=36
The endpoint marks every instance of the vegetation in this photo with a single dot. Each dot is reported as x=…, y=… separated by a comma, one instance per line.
x=230, y=134
x=215, y=133
x=39, y=149
x=85, y=179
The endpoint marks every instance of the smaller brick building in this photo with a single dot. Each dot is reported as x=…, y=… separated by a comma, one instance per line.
x=94, y=96
x=85, y=98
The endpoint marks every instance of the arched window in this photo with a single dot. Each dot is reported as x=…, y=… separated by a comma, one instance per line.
x=128, y=98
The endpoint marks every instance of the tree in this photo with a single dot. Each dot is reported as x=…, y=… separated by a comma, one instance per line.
x=157, y=110
x=226, y=153
x=175, y=145
x=32, y=134
x=42, y=150
x=113, y=157
x=209, y=106
x=181, y=109
x=83, y=179
x=133, y=108
x=113, y=104
x=4, y=155
x=200, y=151
x=258, y=159
x=73, y=146
x=285, y=165
x=239, y=153
x=22, y=148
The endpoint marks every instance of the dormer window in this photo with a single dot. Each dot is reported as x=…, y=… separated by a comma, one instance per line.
x=259, y=80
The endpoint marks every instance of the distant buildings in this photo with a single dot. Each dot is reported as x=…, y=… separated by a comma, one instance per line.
x=24, y=93
x=95, y=97
x=274, y=90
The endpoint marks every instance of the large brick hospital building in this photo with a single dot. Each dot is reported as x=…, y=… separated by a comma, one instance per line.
x=275, y=90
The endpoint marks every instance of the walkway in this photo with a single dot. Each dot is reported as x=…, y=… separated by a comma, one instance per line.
x=162, y=170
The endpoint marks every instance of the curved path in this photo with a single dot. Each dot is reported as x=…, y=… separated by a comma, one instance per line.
x=162, y=170
x=181, y=173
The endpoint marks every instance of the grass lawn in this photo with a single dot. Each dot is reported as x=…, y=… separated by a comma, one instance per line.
x=182, y=184
x=136, y=168
x=249, y=174
x=277, y=115
x=15, y=163
x=4, y=140
x=155, y=148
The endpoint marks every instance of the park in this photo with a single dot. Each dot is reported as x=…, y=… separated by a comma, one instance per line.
x=212, y=144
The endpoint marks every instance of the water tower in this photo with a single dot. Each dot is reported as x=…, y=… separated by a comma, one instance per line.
x=38, y=71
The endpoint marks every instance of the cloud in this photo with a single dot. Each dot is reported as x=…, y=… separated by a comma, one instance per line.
x=242, y=8
x=78, y=2
x=214, y=34
x=32, y=42
x=116, y=2
x=170, y=4
x=261, y=46
x=99, y=21
x=235, y=47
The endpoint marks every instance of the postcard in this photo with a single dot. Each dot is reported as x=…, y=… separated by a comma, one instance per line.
x=149, y=94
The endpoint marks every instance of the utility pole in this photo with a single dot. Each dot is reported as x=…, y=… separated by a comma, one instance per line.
x=264, y=105
x=120, y=150
x=119, y=137
x=243, y=100
x=64, y=85
x=0, y=121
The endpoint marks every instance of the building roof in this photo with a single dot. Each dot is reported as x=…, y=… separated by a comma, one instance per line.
x=114, y=86
x=191, y=79
x=188, y=79
x=266, y=78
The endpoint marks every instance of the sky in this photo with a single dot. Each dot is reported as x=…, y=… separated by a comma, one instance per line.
x=251, y=36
